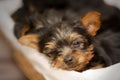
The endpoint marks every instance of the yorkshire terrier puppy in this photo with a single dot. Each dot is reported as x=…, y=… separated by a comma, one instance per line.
x=63, y=35
x=68, y=43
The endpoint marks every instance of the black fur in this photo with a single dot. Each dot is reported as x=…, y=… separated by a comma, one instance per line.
x=106, y=42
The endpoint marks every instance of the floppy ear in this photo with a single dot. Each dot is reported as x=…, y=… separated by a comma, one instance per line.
x=29, y=40
x=92, y=22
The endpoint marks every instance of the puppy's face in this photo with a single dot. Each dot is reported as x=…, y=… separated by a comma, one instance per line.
x=68, y=45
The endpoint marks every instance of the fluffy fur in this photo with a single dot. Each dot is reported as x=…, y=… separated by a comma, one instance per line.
x=61, y=30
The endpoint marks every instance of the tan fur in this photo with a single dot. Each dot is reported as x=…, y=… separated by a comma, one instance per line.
x=73, y=37
x=98, y=66
x=81, y=59
x=58, y=63
x=50, y=45
x=25, y=29
x=92, y=22
x=29, y=40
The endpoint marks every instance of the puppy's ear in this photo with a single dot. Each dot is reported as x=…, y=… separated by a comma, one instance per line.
x=92, y=22
x=29, y=40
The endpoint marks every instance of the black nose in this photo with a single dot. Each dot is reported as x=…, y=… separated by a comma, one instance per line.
x=68, y=59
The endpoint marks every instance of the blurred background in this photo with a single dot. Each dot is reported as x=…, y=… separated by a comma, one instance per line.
x=8, y=69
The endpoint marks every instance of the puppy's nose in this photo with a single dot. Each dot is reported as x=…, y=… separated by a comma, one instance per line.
x=68, y=59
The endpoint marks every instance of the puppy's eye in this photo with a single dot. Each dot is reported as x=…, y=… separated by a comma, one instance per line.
x=76, y=44
x=51, y=53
